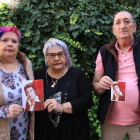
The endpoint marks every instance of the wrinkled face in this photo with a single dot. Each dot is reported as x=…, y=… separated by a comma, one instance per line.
x=117, y=89
x=30, y=93
x=59, y=60
x=123, y=26
x=9, y=44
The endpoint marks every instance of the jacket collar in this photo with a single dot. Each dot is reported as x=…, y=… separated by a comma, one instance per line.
x=22, y=58
x=135, y=41
x=111, y=47
x=112, y=44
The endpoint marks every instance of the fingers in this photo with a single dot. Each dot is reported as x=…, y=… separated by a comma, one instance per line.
x=50, y=108
x=105, y=82
x=52, y=104
x=47, y=103
x=15, y=110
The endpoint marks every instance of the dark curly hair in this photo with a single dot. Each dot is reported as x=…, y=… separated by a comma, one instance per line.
x=30, y=85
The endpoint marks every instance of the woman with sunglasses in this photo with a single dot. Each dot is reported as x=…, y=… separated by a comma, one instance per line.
x=67, y=97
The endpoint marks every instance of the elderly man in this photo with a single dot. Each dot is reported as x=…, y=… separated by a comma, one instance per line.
x=119, y=61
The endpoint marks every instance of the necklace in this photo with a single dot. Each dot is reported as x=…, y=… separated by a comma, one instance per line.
x=7, y=69
x=54, y=82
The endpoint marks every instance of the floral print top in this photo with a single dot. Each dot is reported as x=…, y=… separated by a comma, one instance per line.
x=12, y=88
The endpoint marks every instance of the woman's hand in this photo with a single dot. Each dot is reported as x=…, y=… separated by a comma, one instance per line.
x=52, y=104
x=15, y=110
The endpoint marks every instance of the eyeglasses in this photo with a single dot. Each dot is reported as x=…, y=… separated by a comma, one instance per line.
x=53, y=55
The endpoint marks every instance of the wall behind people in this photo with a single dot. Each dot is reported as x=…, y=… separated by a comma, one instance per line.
x=85, y=25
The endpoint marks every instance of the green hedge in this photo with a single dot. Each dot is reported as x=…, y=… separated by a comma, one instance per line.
x=85, y=25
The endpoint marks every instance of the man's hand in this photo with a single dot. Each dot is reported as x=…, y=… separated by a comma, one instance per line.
x=101, y=83
x=105, y=83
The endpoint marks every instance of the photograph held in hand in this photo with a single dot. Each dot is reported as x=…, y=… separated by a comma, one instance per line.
x=33, y=98
x=118, y=91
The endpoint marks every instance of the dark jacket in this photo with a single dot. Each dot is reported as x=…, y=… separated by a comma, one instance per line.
x=110, y=63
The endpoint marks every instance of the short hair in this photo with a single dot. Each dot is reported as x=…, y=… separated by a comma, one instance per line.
x=117, y=84
x=8, y=29
x=127, y=12
x=30, y=85
x=56, y=42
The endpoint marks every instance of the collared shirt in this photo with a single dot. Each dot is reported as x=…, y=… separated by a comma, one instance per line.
x=32, y=106
x=128, y=112
x=117, y=97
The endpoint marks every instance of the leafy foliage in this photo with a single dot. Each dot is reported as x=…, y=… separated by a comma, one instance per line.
x=6, y=16
x=85, y=25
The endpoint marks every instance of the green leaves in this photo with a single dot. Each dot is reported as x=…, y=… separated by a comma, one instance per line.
x=46, y=5
x=27, y=34
x=73, y=27
x=6, y=15
x=3, y=18
x=75, y=33
x=52, y=4
x=98, y=33
x=31, y=56
x=73, y=18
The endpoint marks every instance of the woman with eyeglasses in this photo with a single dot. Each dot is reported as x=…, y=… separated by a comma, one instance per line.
x=67, y=97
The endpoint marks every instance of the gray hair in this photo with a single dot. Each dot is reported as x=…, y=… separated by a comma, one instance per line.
x=127, y=12
x=56, y=42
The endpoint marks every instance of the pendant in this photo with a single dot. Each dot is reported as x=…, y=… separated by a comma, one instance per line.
x=53, y=85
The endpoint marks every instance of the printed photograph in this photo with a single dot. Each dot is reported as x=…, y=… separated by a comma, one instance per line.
x=33, y=97
x=118, y=91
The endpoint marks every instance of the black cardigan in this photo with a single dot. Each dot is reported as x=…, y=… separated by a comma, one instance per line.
x=76, y=125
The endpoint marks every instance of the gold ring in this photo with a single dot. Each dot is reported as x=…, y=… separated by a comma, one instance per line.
x=51, y=106
x=17, y=113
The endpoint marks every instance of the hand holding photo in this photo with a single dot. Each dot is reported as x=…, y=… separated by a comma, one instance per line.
x=32, y=97
x=118, y=91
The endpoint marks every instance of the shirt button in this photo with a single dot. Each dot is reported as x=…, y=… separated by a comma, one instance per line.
x=125, y=60
x=122, y=52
